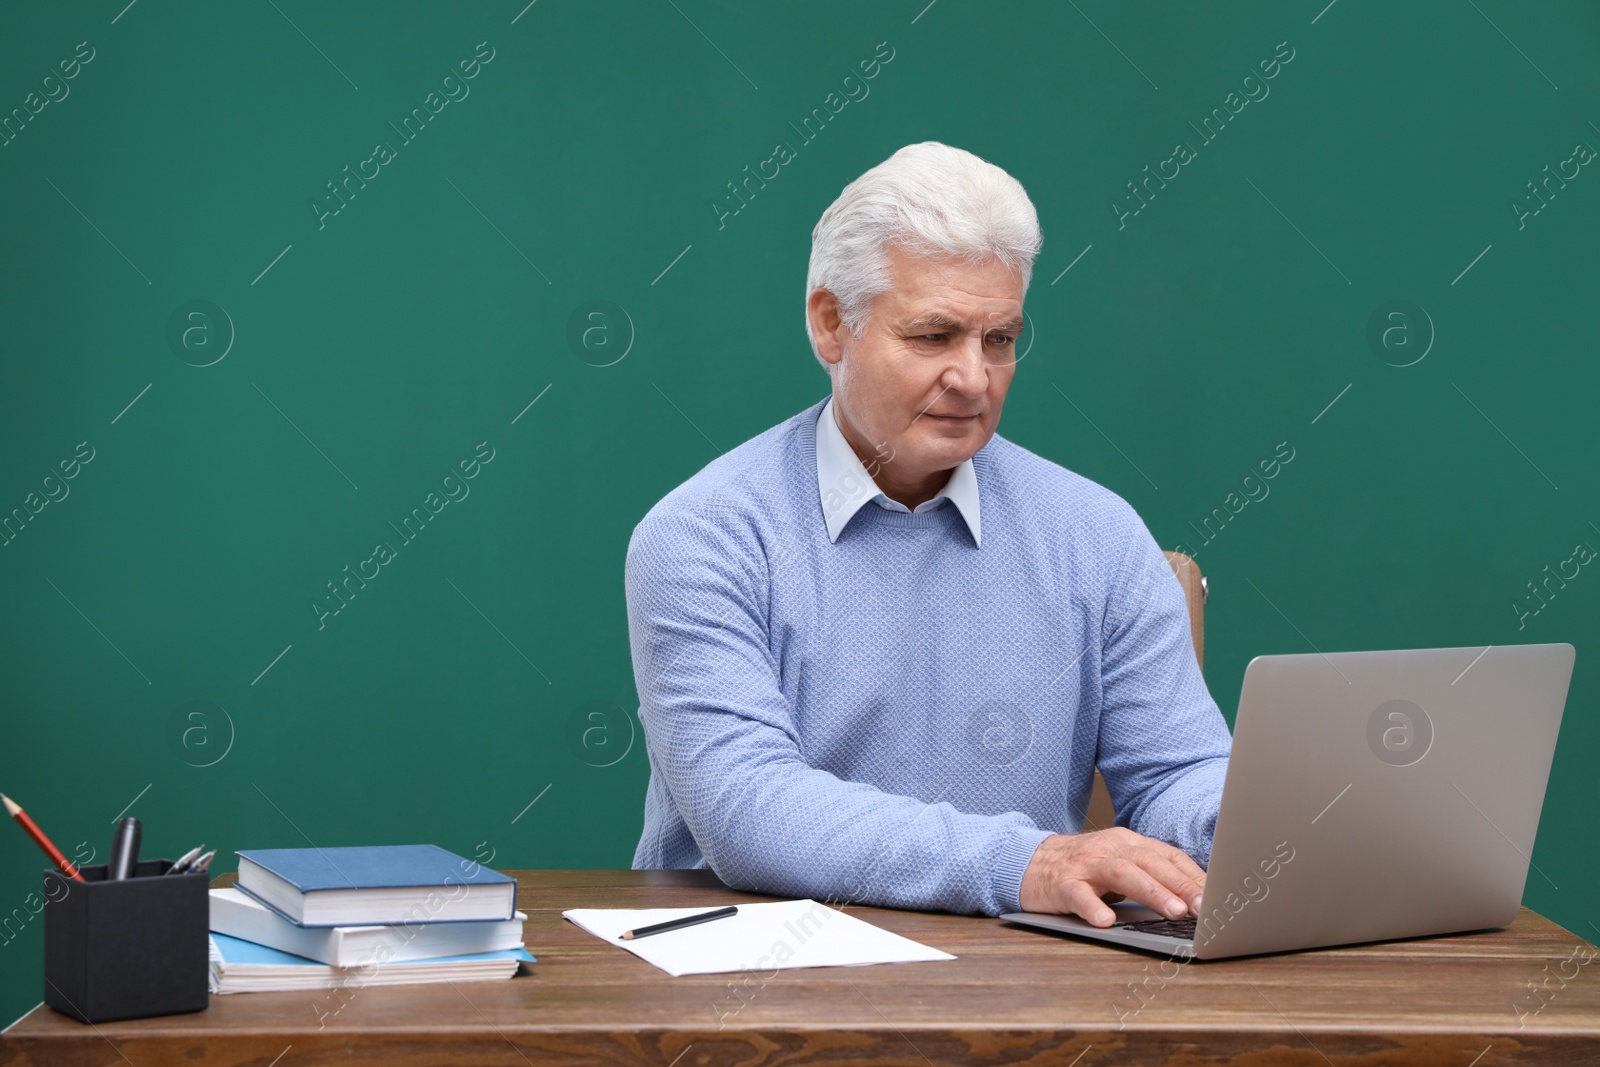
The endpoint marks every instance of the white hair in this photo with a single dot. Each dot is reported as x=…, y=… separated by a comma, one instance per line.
x=930, y=199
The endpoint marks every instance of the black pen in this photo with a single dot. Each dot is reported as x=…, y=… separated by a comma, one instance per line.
x=678, y=924
x=124, y=850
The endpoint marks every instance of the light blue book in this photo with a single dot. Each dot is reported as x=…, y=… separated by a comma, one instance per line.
x=245, y=967
x=238, y=914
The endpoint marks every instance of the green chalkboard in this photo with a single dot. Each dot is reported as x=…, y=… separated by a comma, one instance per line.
x=345, y=345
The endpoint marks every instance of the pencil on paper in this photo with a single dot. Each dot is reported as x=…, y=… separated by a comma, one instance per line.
x=678, y=924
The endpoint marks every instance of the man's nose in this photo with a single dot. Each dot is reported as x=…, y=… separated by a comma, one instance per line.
x=968, y=372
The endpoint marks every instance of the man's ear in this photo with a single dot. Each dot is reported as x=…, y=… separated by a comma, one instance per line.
x=822, y=308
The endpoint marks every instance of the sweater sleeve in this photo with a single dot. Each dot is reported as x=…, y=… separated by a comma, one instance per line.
x=723, y=739
x=1163, y=742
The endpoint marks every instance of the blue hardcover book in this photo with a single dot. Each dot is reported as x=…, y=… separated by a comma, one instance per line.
x=375, y=885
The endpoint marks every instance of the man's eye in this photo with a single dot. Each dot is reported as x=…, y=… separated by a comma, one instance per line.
x=933, y=337
x=1001, y=338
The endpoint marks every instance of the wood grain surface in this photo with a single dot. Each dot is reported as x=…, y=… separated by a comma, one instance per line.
x=1015, y=997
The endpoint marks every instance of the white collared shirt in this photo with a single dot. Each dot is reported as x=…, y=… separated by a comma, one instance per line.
x=845, y=486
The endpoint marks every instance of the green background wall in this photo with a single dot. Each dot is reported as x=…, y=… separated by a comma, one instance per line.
x=478, y=693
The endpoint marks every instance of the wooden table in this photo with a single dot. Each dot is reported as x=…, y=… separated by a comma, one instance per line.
x=1014, y=998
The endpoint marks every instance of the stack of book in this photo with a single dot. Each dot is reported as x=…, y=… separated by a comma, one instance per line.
x=325, y=918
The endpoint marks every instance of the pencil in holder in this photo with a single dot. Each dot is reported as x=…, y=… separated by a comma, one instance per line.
x=126, y=949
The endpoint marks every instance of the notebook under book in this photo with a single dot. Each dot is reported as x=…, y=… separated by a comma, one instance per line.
x=375, y=885
x=245, y=967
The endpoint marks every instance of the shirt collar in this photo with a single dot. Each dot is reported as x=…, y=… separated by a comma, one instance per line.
x=845, y=486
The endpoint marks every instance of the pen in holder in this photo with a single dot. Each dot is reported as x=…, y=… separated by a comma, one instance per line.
x=126, y=949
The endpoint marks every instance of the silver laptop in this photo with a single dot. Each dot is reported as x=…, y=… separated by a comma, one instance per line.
x=1369, y=796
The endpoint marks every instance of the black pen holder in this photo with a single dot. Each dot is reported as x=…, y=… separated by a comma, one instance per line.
x=126, y=949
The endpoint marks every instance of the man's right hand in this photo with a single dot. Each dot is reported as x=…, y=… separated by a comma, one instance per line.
x=1075, y=873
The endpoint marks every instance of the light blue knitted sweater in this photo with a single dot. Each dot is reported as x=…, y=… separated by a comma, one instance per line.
x=900, y=717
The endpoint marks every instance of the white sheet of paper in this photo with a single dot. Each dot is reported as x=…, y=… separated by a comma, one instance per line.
x=762, y=937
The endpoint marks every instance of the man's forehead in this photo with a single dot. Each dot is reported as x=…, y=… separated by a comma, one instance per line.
x=950, y=286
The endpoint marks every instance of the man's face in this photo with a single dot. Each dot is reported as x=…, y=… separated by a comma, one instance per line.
x=921, y=389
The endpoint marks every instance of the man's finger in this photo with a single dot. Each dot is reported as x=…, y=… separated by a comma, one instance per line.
x=1185, y=863
x=1174, y=878
x=1128, y=844
x=1136, y=883
x=1079, y=898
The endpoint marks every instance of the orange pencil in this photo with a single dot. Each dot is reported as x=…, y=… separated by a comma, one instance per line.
x=39, y=839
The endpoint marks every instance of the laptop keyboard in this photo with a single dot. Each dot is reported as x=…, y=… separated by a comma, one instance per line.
x=1179, y=928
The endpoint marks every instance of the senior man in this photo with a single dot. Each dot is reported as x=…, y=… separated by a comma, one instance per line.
x=879, y=649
